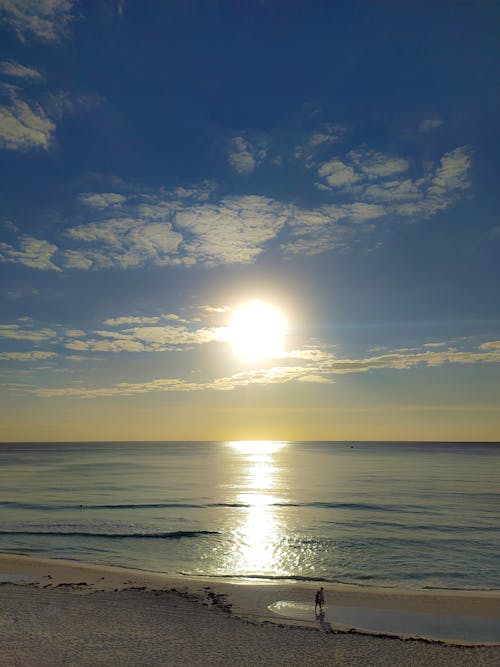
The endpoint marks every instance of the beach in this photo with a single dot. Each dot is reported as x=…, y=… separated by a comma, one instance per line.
x=55, y=612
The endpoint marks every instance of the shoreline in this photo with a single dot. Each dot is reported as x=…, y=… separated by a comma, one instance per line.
x=289, y=602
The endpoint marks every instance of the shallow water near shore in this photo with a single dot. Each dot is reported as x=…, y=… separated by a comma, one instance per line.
x=412, y=515
x=452, y=627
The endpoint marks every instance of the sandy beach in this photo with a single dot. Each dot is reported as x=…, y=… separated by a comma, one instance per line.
x=56, y=612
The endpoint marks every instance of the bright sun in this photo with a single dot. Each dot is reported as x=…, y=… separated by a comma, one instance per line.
x=257, y=331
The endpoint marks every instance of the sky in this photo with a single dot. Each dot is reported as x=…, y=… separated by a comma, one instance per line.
x=166, y=162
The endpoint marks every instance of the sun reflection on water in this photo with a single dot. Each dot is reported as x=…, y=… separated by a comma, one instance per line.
x=259, y=540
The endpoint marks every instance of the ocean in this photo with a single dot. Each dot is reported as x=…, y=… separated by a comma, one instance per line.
x=408, y=515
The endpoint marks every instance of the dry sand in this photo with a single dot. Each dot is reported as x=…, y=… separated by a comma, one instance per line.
x=65, y=613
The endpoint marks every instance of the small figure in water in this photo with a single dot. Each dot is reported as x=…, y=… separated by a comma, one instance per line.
x=319, y=600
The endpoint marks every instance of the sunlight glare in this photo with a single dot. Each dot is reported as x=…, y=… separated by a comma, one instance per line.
x=257, y=331
x=262, y=447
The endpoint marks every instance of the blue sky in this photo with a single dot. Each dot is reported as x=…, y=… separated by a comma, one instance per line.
x=164, y=162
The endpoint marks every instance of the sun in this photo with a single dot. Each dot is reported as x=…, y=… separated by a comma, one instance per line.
x=257, y=331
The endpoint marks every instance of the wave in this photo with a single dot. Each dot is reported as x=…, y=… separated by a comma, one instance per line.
x=125, y=506
x=357, y=581
x=174, y=535
x=139, y=506
x=263, y=577
x=412, y=527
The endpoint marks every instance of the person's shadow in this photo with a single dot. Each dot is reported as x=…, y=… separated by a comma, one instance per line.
x=325, y=626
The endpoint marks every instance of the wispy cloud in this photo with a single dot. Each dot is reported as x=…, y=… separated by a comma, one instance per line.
x=102, y=199
x=46, y=20
x=31, y=252
x=33, y=355
x=393, y=191
x=18, y=71
x=159, y=338
x=316, y=365
x=119, y=321
x=24, y=125
x=317, y=143
x=429, y=124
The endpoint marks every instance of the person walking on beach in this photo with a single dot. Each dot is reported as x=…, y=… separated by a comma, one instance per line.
x=319, y=600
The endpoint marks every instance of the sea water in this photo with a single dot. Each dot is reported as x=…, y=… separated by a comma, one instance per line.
x=412, y=515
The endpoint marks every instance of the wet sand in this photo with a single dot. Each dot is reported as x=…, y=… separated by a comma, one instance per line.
x=65, y=613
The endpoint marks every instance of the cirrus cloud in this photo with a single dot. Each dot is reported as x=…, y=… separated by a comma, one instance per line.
x=46, y=20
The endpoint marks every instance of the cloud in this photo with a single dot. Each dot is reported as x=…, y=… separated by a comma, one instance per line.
x=13, y=69
x=430, y=124
x=34, y=355
x=174, y=317
x=160, y=336
x=74, y=259
x=393, y=191
x=102, y=199
x=32, y=253
x=16, y=332
x=377, y=165
x=194, y=193
x=452, y=173
x=369, y=177
x=316, y=379
x=155, y=230
x=440, y=188
x=24, y=125
x=74, y=333
x=401, y=361
x=119, y=321
x=142, y=338
x=191, y=226
x=318, y=366
x=329, y=227
x=317, y=143
x=359, y=165
x=120, y=345
x=244, y=155
x=360, y=212
x=494, y=233
x=214, y=309
x=46, y=20
x=59, y=104
x=233, y=231
x=491, y=345
x=125, y=243
x=337, y=174
x=174, y=335
x=326, y=135
x=277, y=375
